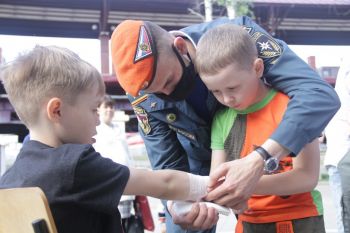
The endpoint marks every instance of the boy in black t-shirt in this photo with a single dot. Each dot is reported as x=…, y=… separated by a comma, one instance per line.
x=56, y=95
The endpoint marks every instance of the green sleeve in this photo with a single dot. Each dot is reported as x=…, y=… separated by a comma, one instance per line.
x=220, y=128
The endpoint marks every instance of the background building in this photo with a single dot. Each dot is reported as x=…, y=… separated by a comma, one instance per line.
x=303, y=22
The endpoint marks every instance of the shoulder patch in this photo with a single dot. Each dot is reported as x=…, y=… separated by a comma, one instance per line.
x=142, y=119
x=139, y=100
x=266, y=45
x=143, y=48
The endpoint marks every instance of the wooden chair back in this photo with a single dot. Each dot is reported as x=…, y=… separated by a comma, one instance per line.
x=25, y=210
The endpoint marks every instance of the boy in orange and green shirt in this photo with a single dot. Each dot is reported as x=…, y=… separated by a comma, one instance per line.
x=284, y=200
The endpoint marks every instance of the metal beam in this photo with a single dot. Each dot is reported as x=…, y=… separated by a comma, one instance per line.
x=49, y=14
x=92, y=16
x=314, y=24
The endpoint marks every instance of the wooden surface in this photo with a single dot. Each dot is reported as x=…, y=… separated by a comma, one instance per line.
x=19, y=207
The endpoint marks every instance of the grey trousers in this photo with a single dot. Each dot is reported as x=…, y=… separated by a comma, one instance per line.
x=344, y=171
x=303, y=225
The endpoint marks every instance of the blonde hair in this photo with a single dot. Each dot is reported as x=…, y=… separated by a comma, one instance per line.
x=222, y=46
x=43, y=73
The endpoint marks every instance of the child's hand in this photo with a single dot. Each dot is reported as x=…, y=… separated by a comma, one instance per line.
x=200, y=217
x=184, y=207
x=241, y=178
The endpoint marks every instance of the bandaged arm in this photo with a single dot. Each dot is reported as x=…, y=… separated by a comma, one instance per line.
x=166, y=184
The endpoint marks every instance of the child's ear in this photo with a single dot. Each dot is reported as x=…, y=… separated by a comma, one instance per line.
x=259, y=67
x=53, y=109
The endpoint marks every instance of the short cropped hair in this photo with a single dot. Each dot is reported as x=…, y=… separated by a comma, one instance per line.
x=43, y=73
x=222, y=46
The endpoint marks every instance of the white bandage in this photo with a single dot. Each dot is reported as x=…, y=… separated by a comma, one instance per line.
x=181, y=207
x=198, y=187
x=184, y=207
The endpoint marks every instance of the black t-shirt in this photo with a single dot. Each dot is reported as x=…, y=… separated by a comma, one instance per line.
x=83, y=188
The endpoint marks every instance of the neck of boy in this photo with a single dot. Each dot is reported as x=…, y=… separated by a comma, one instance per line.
x=264, y=96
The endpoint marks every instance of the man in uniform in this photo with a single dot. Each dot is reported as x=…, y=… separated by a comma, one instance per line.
x=175, y=109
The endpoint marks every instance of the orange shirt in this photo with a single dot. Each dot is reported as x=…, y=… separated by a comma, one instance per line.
x=272, y=208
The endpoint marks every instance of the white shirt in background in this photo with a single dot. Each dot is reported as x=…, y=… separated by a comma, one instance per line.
x=338, y=130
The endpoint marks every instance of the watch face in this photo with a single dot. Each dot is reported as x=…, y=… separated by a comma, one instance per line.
x=271, y=165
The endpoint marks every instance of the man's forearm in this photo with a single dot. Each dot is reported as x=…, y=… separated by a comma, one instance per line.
x=275, y=149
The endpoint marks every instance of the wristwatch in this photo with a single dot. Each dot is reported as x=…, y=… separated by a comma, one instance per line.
x=271, y=163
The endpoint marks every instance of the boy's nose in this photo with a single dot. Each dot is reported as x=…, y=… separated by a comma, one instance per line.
x=227, y=99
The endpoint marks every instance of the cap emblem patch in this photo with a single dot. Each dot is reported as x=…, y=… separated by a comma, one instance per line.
x=143, y=48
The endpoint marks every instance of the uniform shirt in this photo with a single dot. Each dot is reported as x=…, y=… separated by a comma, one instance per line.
x=83, y=189
x=262, y=119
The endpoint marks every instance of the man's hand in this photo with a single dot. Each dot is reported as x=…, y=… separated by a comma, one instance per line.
x=240, y=178
x=199, y=218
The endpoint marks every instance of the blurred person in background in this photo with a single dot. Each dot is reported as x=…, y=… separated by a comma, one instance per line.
x=111, y=143
x=338, y=145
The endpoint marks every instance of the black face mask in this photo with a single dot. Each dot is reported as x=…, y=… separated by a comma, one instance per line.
x=186, y=83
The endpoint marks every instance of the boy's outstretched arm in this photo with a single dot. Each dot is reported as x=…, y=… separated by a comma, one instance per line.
x=175, y=185
x=166, y=184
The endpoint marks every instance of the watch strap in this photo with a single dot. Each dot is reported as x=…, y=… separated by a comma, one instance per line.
x=264, y=154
